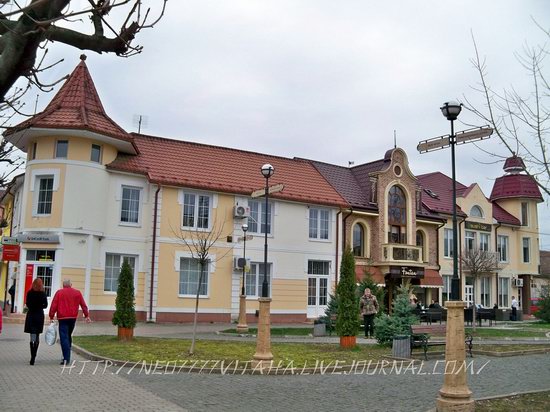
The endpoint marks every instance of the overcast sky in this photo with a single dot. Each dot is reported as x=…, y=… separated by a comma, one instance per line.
x=320, y=79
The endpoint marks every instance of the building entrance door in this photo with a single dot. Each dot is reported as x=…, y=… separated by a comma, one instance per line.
x=317, y=296
x=468, y=295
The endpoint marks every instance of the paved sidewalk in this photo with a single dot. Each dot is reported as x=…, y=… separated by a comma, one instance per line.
x=46, y=387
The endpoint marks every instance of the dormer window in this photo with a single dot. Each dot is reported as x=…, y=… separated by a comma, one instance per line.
x=476, y=211
x=61, y=149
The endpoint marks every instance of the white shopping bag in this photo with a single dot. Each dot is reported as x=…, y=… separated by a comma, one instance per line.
x=51, y=334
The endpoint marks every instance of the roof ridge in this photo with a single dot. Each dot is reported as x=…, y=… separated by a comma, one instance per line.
x=140, y=135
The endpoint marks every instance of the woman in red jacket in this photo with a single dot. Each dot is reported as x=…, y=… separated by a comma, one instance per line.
x=36, y=302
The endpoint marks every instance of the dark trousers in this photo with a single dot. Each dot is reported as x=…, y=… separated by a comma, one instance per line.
x=514, y=314
x=369, y=325
x=66, y=327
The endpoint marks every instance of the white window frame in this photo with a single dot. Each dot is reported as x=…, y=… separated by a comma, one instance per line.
x=524, y=222
x=316, y=221
x=140, y=190
x=448, y=243
x=211, y=269
x=503, y=240
x=485, y=291
x=470, y=240
x=487, y=236
x=503, y=298
x=446, y=290
x=36, y=175
x=36, y=199
x=122, y=257
x=197, y=195
x=255, y=271
x=261, y=212
x=476, y=211
x=528, y=239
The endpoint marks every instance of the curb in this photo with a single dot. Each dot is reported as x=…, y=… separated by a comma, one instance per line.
x=488, y=398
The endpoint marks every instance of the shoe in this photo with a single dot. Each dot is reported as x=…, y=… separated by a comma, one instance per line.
x=33, y=353
x=63, y=362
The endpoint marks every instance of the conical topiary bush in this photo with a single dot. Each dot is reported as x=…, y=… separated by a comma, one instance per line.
x=125, y=312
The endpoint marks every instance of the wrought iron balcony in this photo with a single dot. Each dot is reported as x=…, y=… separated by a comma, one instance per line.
x=398, y=253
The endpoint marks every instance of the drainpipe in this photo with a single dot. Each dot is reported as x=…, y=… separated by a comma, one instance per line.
x=460, y=289
x=153, y=247
x=437, y=243
x=8, y=263
x=496, y=250
x=344, y=234
x=337, y=241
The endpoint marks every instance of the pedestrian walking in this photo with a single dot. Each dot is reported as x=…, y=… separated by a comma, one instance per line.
x=369, y=309
x=11, y=292
x=514, y=309
x=65, y=304
x=36, y=302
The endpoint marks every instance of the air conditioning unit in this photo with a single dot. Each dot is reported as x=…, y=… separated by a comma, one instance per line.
x=239, y=263
x=241, y=212
x=518, y=283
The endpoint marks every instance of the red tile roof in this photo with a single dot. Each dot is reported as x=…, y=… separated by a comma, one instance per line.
x=201, y=166
x=515, y=186
x=75, y=106
x=441, y=186
x=502, y=216
x=514, y=163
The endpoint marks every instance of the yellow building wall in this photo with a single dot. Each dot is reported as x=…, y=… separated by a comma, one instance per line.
x=79, y=149
x=8, y=210
x=219, y=287
x=99, y=297
x=77, y=277
x=54, y=219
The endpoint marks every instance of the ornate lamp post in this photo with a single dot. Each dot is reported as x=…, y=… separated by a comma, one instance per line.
x=242, y=326
x=263, y=342
x=454, y=395
x=451, y=110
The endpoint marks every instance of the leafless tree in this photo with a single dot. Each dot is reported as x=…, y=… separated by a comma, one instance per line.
x=27, y=31
x=478, y=263
x=199, y=243
x=520, y=120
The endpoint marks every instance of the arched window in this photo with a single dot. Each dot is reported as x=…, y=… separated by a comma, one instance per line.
x=397, y=215
x=358, y=240
x=476, y=211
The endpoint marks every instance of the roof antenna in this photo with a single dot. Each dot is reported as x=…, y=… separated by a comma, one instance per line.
x=394, y=139
x=36, y=103
x=139, y=121
x=350, y=163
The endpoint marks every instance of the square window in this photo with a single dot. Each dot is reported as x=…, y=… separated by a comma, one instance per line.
x=257, y=219
x=113, y=264
x=129, y=212
x=196, y=210
x=190, y=273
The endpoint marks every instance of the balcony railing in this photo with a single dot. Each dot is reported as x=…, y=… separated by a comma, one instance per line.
x=398, y=253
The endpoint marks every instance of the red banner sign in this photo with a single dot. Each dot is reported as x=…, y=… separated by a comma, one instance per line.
x=28, y=280
x=11, y=253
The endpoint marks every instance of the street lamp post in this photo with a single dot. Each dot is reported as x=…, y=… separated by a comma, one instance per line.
x=263, y=353
x=451, y=110
x=454, y=395
x=242, y=326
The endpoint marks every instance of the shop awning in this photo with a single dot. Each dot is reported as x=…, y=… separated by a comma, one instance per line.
x=432, y=279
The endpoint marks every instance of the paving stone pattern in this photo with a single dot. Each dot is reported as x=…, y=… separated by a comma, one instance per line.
x=44, y=387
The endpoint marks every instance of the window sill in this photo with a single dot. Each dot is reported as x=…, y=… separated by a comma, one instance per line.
x=109, y=292
x=193, y=296
x=40, y=215
x=128, y=224
x=312, y=239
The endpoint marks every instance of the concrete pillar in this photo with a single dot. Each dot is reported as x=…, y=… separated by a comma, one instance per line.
x=455, y=395
x=242, y=327
x=263, y=353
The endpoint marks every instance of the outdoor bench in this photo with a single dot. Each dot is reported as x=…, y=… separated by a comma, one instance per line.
x=421, y=337
x=486, y=314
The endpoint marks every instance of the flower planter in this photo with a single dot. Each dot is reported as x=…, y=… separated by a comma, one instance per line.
x=348, y=342
x=125, y=333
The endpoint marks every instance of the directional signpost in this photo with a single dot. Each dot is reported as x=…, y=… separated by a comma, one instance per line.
x=272, y=189
x=442, y=142
x=454, y=394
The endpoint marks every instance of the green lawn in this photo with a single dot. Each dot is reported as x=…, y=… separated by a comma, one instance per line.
x=533, y=402
x=539, y=325
x=171, y=350
x=278, y=331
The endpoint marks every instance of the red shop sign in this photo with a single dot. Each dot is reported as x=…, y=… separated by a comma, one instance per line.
x=11, y=253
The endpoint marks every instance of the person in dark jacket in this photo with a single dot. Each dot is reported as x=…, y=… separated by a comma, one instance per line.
x=36, y=302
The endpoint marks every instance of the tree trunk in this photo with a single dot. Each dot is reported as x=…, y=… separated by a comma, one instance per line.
x=192, y=348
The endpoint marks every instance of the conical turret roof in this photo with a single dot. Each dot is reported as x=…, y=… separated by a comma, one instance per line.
x=75, y=106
